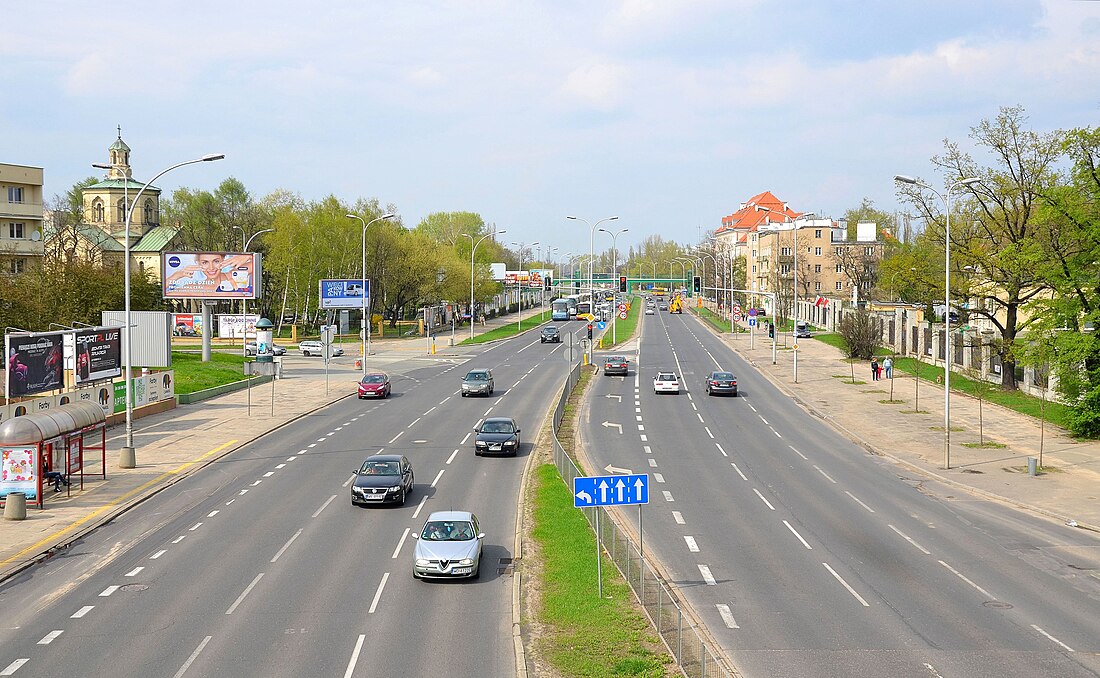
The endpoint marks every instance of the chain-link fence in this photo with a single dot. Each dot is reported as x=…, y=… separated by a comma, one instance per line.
x=692, y=654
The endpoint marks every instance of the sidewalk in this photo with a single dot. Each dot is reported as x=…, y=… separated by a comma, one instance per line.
x=178, y=442
x=1069, y=489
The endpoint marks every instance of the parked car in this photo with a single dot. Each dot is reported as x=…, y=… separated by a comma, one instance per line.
x=310, y=347
x=449, y=546
x=721, y=382
x=497, y=435
x=478, y=381
x=381, y=479
x=250, y=349
x=374, y=385
x=666, y=382
x=615, y=364
x=551, y=334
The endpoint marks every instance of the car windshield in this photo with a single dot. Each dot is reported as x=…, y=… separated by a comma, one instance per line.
x=497, y=427
x=477, y=376
x=448, y=530
x=374, y=379
x=722, y=375
x=380, y=468
x=549, y=330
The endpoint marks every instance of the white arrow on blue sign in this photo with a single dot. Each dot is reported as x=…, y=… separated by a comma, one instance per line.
x=752, y=322
x=601, y=325
x=618, y=490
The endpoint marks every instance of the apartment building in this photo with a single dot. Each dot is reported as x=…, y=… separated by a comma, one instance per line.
x=20, y=217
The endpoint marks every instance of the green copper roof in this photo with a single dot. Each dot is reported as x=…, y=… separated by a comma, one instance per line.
x=125, y=183
x=155, y=240
x=119, y=145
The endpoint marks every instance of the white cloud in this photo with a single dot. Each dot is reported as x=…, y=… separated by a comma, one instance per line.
x=600, y=85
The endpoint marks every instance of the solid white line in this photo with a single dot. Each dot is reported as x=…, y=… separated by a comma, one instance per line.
x=50, y=637
x=243, y=594
x=668, y=495
x=158, y=554
x=466, y=438
x=763, y=499
x=394, y=438
x=525, y=348
x=133, y=572
x=355, y=656
x=14, y=666
x=960, y=575
x=736, y=468
x=707, y=576
x=487, y=412
x=652, y=462
x=194, y=527
x=269, y=474
x=108, y=591
x=437, y=477
x=795, y=533
x=451, y=458
x=678, y=517
x=428, y=412
x=400, y=542
x=692, y=545
x=850, y=589
x=419, y=506
x=719, y=446
x=193, y=657
x=869, y=509
x=798, y=453
x=323, y=506
x=658, y=477
x=179, y=539
x=413, y=422
x=1068, y=648
x=82, y=611
x=707, y=429
x=378, y=593
x=727, y=616
x=824, y=474
x=286, y=546
x=906, y=538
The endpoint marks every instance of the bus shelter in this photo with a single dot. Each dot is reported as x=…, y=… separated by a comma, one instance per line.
x=35, y=448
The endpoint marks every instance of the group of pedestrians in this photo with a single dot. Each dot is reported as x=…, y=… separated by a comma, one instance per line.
x=877, y=368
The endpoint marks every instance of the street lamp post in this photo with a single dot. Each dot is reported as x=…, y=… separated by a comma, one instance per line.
x=615, y=274
x=794, y=300
x=129, y=456
x=591, y=251
x=366, y=319
x=244, y=302
x=473, y=249
x=519, y=284
x=900, y=178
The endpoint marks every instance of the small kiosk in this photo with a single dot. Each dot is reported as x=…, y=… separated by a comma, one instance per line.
x=49, y=442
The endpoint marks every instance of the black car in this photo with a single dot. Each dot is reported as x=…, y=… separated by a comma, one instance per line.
x=615, y=364
x=551, y=334
x=381, y=479
x=497, y=435
x=721, y=382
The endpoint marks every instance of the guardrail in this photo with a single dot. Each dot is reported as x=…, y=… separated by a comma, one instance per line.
x=688, y=648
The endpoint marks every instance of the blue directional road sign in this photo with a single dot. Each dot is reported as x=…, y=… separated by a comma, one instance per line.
x=601, y=325
x=620, y=490
x=752, y=322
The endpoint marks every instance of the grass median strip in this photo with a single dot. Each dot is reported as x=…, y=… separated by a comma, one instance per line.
x=192, y=374
x=509, y=330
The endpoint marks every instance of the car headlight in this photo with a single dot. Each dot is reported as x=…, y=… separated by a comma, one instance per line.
x=423, y=562
x=466, y=561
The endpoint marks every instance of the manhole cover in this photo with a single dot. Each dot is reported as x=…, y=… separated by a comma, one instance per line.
x=133, y=587
x=997, y=605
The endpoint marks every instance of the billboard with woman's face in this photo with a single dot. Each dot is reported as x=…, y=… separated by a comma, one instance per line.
x=35, y=363
x=211, y=275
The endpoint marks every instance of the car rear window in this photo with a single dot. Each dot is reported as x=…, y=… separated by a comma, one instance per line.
x=666, y=376
x=723, y=375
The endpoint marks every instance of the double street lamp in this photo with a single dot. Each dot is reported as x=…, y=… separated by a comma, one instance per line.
x=366, y=319
x=614, y=274
x=519, y=283
x=473, y=249
x=592, y=249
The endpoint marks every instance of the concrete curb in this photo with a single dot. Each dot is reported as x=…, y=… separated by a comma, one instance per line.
x=197, y=396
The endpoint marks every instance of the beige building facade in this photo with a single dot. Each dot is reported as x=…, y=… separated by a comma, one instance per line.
x=21, y=211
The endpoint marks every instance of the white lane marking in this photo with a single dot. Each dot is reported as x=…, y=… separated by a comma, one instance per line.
x=256, y=483
x=776, y=433
x=719, y=446
x=378, y=593
x=341, y=428
x=644, y=438
x=795, y=533
x=798, y=453
x=637, y=410
x=707, y=429
x=323, y=506
x=286, y=546
x=700, y=417
x=694, y=407
x=82, y=611
x=647, y=449
x=230, y=502
x=320, y=440
x=247, y=590
x=278, y=466
x=400, y=542
x=11, y=668
x=269, y=474
x=906, y=538
x=637, y=417
x=451, y=458
x=194, y=527
x=515, y=384
x=179, y=539
x=134, y=572
x=689, y=397
x=498, y=401
x=707, y=576
x=763, y=499
x=419, y=506
x=392, y=440
x=108, y=591
x=727, y=616
x=1068, y=648
x=487, y=412
x=355, y=656
x=348, y=481
x=466, y=438
x=668, y=495
x=525, y=348
x=437, y=477
x=932, y=670
x=678, y=517
x=213, y=513
x=641, y=427
x=658, y=477
x=428, y=412
x=824, y=474
x=444, y=400
x=301, y=451
x=850, y=589
x=963, y=577
x=158, y=554
x=869, y=509
x=763, y=420
x=192, y=658
x=736, y=468
x=652, y=462
x=692, y=545
x=50, y=637
x=331, y=433
x=291, y=458
x=413, y=422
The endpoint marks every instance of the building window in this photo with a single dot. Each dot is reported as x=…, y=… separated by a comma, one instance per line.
x=817, y=233
x=839, y=268
x=817, y=287
x=97, y=211
x=817, y=268
x=785, y=251
x=754, y=268
x=18, y=265
x=15, y=194
x=121, y=210
x=869, y=251
x=840, y=284
x=15, y=231
x=840, y=251
x=148, y=211
x=817, y=251
x=141, y=268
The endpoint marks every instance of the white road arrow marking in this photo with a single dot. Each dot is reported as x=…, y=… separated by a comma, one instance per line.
x=608, y=424
x=613, y=395
x=615, y=469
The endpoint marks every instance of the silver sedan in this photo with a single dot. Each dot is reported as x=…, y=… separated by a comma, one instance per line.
x=449, y=547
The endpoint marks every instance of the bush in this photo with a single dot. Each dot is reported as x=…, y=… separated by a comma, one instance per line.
x=1084, y=417
x=860, y=333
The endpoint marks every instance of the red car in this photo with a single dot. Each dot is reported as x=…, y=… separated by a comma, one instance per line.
x=374, y=385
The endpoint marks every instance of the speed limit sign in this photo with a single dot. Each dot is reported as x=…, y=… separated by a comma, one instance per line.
x=736, y=313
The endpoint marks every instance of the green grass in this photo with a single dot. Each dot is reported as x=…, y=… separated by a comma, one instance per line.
x=719, y=323
x=194, y=375
x=509, y=330
x=625, y=329
x=585, y=635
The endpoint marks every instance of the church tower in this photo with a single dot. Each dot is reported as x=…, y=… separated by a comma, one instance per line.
x=106, y=202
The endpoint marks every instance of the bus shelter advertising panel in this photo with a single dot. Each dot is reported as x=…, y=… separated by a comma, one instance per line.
x=98, y=354
x=211, y=275
x=35, y=363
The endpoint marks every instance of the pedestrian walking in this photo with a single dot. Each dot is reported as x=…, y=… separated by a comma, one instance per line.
x=888, y=365
x=874, y=369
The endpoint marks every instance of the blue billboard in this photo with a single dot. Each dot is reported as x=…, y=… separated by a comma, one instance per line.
x=344, y=293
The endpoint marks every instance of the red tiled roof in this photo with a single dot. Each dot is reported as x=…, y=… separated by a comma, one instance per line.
x=749, y=217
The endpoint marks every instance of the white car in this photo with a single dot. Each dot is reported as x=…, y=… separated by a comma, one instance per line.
x=666, y=382
x=649, y=310
x=313, y=347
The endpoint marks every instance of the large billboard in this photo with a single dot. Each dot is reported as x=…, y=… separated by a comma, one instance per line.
x=211, y=275
x=235, y=325
x=35, y=363
x=531, y=278
x=343, y=293
x=186, y=324
x=98, y=354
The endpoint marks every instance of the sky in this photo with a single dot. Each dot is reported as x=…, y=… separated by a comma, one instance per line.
x=665, y=113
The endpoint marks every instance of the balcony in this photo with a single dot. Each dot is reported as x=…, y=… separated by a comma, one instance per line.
x=20, y=210
x=20, y=247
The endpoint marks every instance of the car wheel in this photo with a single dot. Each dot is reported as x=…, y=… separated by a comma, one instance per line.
x=401, y=499
x=476, y=452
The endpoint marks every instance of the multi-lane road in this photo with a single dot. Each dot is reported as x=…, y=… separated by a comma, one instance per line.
x=804, y=555
x=258, y=564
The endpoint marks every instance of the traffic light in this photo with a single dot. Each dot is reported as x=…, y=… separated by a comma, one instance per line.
x=622, y=283
x=548, y=283
x=771, y=331
x=589, y=330
x=696, y=284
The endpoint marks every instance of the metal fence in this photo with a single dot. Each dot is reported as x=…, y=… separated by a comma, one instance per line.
x=694, y=657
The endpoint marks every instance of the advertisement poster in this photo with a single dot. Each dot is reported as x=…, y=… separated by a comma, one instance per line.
x=19, y=471
x=186, y=324
x=343, y=293
x=35, y=363
x=210, y=275
x=234, y=326
x=98, y=354
x=524, y=278
x=76, y=456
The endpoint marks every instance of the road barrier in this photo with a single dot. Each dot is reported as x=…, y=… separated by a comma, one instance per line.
x=681, y=637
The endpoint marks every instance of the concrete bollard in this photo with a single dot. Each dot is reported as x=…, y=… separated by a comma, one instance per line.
x=15, y=506
x=1032, y=466
x=127, y=458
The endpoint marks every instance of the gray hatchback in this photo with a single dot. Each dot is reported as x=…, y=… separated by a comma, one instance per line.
x=477, y=381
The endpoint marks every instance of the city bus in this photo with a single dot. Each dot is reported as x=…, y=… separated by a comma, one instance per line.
x=563, y=309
